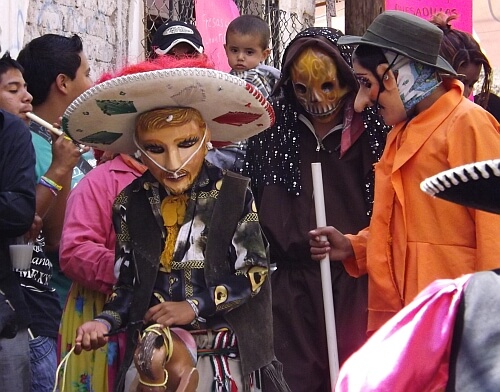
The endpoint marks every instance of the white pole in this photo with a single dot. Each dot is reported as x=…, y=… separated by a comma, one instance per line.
x=43, y=123
x=326, y=278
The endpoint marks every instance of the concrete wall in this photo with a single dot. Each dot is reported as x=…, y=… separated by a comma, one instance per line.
x=112, y=30
x=103, y=26
x=305, y=9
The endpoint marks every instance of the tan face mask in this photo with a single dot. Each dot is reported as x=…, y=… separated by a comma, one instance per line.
x=316, y=86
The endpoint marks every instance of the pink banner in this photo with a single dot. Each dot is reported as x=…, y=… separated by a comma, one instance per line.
x=212, y=18
x=426, y=8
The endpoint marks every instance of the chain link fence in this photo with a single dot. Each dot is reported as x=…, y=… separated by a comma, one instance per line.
x=284, y=25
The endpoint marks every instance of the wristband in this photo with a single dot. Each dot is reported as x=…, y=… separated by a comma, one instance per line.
x=196, y=311
x=53, y=183
x=50, y=184
x=106, y=323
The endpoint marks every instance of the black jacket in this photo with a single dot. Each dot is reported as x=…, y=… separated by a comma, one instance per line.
x=17, y=202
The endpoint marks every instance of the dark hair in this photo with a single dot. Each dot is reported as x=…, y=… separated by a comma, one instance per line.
x=7, y=62
x=460, y=48
x=250, y=25
x=370, y=57
x=46, y=57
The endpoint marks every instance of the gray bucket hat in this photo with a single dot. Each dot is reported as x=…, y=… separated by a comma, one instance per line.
x=405, y=34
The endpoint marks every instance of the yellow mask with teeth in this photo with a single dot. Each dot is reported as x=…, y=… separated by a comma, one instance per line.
x=317, y=88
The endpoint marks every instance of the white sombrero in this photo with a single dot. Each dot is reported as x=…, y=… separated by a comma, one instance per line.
x=475, y=185
x=104, y=116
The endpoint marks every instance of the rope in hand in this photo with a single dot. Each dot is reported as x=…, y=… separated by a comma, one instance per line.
x=169, y=347
x=168, y=342
x=63, y=363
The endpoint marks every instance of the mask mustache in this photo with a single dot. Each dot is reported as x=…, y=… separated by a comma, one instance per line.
x=175, y=175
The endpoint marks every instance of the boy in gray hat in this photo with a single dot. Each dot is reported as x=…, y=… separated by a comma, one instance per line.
x=413, y=239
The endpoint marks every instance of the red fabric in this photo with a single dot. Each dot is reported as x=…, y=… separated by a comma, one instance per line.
x=158, y=63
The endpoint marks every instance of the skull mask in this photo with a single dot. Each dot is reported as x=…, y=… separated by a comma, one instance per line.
x=317, y=88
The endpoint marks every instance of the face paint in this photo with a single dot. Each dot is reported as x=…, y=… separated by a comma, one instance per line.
x=316, y=86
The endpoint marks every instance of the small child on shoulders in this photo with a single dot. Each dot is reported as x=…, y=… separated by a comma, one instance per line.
x=247, y=47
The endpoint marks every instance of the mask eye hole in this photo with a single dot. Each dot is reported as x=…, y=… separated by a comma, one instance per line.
x=327, y=86
x=299, y=88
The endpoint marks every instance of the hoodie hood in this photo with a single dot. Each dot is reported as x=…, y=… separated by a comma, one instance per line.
x=324, y=38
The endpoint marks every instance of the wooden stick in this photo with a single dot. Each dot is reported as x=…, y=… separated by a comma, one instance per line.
x=326, y=278
x=44, y=123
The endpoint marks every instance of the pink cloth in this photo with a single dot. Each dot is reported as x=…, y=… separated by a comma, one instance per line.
x=410, y=352
x=87, y=248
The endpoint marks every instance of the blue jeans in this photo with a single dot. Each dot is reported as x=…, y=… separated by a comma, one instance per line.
x=15, y=363
x=43, y=357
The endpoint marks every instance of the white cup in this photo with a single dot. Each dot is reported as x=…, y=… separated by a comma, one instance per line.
x=21, y=252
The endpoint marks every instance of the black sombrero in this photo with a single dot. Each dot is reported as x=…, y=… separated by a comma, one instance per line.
x=475, y=185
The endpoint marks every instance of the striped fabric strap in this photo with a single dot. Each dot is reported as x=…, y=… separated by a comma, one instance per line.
x=223, y=381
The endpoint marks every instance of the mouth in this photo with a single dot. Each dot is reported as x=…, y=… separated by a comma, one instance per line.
x=172, y=177
x=324, y=110
x=24, y=117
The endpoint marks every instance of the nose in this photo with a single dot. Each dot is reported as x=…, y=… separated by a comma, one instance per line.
x=172, y=160
x=314, y=96
x=27, y=97
x=240, y=55
x=362, y=101
x=89, y=84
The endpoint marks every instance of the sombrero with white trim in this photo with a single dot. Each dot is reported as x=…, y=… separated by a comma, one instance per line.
x=104, y=116
x=475, y=185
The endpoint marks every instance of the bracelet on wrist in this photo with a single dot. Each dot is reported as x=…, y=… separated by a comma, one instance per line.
x=47, y=182
x=196, y=311
x=49, y=187
x=194, y=307
x=102, y=321
x=51, y=182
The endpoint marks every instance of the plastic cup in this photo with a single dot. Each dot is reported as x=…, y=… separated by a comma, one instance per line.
x=21, y=252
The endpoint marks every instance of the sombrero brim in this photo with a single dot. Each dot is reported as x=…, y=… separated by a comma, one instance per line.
x=475, y=185
x=440, y=64
x=104, y=116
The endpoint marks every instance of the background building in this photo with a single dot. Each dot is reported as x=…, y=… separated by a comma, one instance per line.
x=115, y=32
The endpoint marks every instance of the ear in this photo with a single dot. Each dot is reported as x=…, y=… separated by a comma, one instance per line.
x=208, y=143
x=266, y=53
x=387, y=76
x=61, y=83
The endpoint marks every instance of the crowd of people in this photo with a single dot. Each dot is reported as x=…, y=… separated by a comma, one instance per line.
x=177, y=205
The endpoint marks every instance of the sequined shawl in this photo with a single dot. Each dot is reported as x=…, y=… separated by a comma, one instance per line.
x=273, y=155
